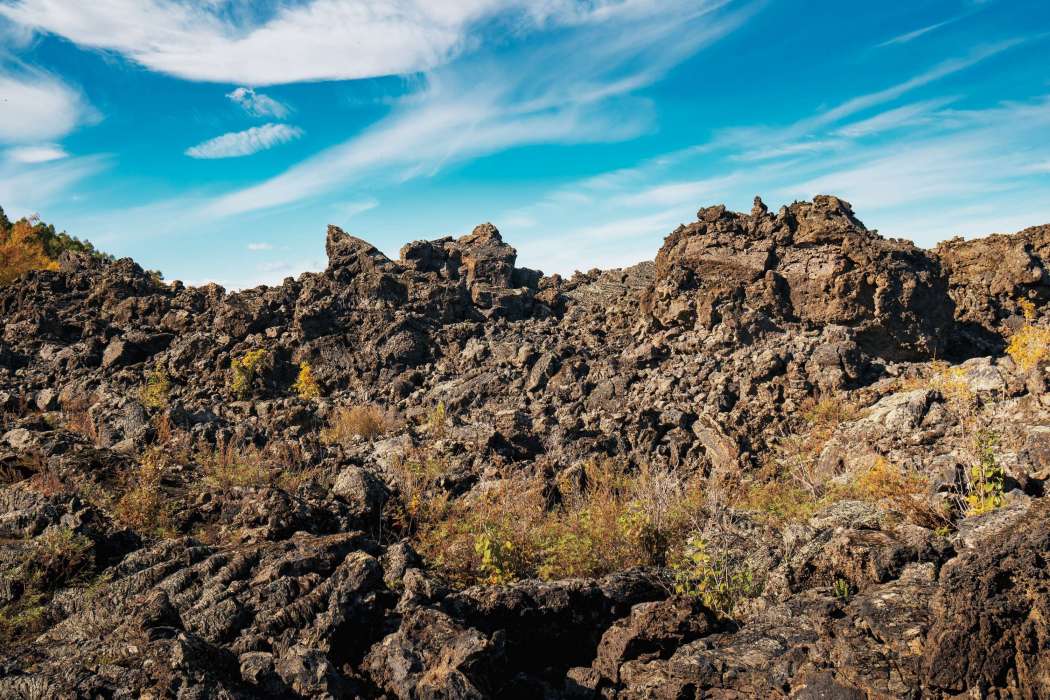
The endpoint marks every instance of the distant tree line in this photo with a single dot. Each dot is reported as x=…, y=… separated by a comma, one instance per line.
x=30, y=244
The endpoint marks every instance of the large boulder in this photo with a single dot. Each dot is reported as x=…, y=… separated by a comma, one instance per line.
x=812, y=262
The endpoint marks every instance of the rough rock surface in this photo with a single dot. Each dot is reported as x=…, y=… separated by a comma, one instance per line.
x=699, y=362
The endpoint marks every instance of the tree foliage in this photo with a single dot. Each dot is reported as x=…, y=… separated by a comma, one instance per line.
x=30, y=244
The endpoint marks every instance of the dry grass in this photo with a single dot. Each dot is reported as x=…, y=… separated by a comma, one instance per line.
x=78, y=418
x=231, y=465
x=778, y=501
x=906, y=492
x=797, y=454
x=615, y=520
x=367, y=422
x=145, y=506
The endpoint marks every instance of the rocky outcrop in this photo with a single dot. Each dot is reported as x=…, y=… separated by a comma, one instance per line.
x=290, y=568
x=989, y=276
x=812, y=262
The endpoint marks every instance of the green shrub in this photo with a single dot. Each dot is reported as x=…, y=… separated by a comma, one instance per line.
x=841, y=589
x=721, y=579
x=986, y=476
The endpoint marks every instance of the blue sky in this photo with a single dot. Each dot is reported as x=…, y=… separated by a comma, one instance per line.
x=216, y=139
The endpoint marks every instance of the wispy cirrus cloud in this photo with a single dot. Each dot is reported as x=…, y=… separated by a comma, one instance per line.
x=238, y=42
x=817, y=132
x=41, y=153
x=897, y=166
x=37, y=106
x=575, y=88
x=28, y=188
x=257, y=104
x=915, y=34
x=244, y=143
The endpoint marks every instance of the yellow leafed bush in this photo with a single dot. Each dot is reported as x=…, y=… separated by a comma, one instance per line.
x=305, y=384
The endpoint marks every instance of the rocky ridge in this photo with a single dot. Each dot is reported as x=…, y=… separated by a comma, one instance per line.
x=702, y=363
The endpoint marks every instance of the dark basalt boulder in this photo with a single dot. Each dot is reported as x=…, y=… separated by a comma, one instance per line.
x=812, y=262
x=989, y=276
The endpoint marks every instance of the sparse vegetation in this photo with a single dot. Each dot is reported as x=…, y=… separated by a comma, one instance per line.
x=144, y=506
x=157, y=389
x=305, y=384
x=78, y=418
x=57, y=558
x=437, y=420
x=779, y=501
x=798, y=454
x=792, y=485
x=245, y=369
x=368, y=422
x=616, y=519
x=902, y=491
x=717, y=575
x=986, y=476
x=231, y=465
x=1030, y=345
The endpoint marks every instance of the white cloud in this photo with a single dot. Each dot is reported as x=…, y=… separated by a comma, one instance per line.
x=906, y=115
x=35, y=106
x=571, y=90
x=765, y=142
x=27, y=189
x=234, y=42
x=913, y=35
x=257, y=104
x=41, y=153
x=615, y=243
x=260, y=246
x=245, y=143
x=348, y=210
x=941, y=70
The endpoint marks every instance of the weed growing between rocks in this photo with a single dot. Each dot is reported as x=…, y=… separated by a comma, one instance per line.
x=245, y=369
x=986, y=476
x=1030, y=345
x=613, y=520
x=155, y=392
x=306, y=386
x=145, y=506
x=798, y=453
x=719, y=576
x=57, y=559
x=366, y=422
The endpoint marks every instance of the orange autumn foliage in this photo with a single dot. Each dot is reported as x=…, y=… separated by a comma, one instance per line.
x=21, y=250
